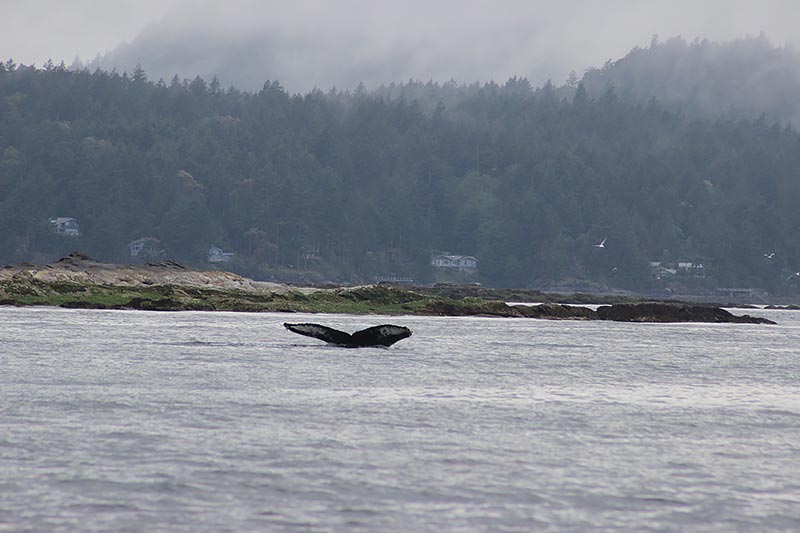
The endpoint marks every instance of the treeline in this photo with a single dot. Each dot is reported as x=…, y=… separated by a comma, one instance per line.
x=745, y=77
x=346, y=186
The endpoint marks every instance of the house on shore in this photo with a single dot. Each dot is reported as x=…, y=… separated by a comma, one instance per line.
x=308, y=253
x=466, y=264
x=678, y=269
x=66, y=226
x=216, y=255
x=146, y=248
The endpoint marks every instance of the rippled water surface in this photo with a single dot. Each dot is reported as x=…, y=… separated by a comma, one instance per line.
x=115, y=420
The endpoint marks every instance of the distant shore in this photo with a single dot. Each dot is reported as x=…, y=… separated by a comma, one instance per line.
x=78, y=281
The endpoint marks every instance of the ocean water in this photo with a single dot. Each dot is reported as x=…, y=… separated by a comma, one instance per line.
x=191, y=421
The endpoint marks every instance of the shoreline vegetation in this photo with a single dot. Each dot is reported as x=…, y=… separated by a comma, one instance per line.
x=351, y=186
x=78, y=281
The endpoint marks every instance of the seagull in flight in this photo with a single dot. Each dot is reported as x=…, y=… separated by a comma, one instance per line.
x=602, y=244
x=770, y=255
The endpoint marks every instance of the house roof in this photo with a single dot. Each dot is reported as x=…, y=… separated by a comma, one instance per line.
x=455, y=257
x=145, y=240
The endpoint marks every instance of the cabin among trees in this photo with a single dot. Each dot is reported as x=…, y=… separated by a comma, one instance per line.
x=461, y=263
x=216, y=255
x=309, y=253
x=679, y=269
x=146, y=248
x=66, y=226
x=453, y=268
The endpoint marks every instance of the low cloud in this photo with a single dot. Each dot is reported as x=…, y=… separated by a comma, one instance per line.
x=311, y=43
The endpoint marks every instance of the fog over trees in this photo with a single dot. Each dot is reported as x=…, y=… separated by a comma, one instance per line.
x=341, y=52
x=346, y=186
x=745, y=77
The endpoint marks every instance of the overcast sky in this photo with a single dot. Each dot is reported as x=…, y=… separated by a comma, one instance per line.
x=306, y=43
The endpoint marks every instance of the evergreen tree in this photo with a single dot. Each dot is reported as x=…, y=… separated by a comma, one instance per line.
x=338, y=186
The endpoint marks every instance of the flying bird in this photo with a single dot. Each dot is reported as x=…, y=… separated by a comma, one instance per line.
x=383, y=335
x=770, y=255
x=602, y=244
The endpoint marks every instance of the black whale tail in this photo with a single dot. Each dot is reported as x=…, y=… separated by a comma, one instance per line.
x=383, y=335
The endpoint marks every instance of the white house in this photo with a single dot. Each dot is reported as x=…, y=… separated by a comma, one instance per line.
x=462, y=263
x=66, y=226
x=216, y=255
x=694, y=270
x=685, y=269
x=146, y=248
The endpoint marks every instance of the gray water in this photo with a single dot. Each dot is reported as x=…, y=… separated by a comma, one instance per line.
x=115, y=420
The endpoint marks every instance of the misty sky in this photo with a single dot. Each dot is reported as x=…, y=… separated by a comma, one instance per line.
x=307, y=43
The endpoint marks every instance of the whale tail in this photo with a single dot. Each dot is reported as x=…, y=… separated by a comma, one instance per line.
x=324, y=333
x=383, y=335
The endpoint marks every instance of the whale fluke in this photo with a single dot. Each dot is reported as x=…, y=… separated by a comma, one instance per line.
x=329, y=335
x=384, y=335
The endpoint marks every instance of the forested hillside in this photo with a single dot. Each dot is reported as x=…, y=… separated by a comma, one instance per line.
x=344, y=187
x=746, y=77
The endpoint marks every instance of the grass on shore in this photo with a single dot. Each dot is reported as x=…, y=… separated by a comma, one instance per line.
x=171, y=297
x=385, y=300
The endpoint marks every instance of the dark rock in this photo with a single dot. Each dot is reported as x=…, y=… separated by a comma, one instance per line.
x=76, y=257
x=149, y=304
x=16, y=303
x=167, y=304
x=169, y=263
x=667, y=312
x=477, y=306
x=471, y=307
x=83, y=304
x=557, y=311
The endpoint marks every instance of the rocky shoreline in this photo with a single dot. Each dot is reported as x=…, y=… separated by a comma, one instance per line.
x=78, y=281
